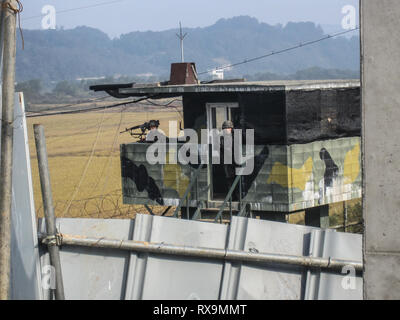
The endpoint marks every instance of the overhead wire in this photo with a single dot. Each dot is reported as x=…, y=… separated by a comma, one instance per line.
x=300, y=45
x=75, y=133
x=168, y=105
x=78, y=186
x=107, y=165
x=84, y=110
x=124, y=108
x=77, y=8
x=68, y=105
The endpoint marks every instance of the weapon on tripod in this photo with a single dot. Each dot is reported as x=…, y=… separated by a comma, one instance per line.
x=143, y=127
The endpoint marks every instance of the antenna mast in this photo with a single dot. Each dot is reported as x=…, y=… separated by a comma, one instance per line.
x=181, y=36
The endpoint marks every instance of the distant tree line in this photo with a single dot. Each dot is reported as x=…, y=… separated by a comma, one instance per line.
x=83, y=52
x=37, y=91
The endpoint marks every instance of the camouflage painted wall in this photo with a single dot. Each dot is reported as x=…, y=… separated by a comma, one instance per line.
x=301, y=176
x=285, y=178
x=159, y=184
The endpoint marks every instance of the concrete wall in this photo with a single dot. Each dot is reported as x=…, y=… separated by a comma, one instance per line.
x=380, y=42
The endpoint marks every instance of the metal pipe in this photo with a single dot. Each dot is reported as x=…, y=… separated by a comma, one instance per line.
x=193, y=180
x=242, y=212
x=240, y=194
x=7, y=139
x=50, y=218
x=229, y=195
x=222, y=254
x=187, y=207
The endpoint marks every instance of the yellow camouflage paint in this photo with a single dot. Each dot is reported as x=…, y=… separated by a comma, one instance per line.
x=174, y=178
x=352, y=164
x=291, y=177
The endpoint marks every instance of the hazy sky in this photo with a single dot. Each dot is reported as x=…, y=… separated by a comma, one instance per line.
x=125, y=16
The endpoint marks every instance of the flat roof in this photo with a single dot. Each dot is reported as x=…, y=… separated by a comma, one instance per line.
x=138, y=90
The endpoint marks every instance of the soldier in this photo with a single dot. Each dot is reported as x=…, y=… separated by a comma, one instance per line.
x=154, y=132
x=229, y=164
x=153, y=125
x=227, y=126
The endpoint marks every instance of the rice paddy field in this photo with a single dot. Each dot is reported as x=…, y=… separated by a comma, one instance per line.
x=83, y=154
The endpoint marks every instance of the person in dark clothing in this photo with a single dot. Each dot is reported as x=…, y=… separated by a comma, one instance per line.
x=229, y=164
x=154, y=131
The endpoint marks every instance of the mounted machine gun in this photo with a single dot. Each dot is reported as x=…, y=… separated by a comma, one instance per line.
x=141, y=136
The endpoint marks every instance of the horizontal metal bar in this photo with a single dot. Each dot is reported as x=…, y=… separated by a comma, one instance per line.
x=232, y=255
x=352, y=224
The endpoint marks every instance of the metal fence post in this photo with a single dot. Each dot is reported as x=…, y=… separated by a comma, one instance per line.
x=48, y=209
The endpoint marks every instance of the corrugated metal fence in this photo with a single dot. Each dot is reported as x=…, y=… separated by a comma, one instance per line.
x=175, y=258
x=105, y=273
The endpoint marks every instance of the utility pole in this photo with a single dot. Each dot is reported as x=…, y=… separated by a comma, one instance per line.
x=181, y=36
x=1, y=36
x=9, y=53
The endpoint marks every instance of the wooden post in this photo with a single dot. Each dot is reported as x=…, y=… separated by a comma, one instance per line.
x=9, y=53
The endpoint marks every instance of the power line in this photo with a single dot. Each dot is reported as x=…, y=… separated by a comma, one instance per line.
x=68, y=105
x=44, y=113
x=84, y=110
x=168, y=105
x=78, y=8
x=281, y=51
x=76, y=133
x=163, y=105
x=78, y=186
x=110, y=155
x=108, y=164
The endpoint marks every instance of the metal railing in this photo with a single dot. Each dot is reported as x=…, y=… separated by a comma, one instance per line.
x=229, y=197
x=188, y=189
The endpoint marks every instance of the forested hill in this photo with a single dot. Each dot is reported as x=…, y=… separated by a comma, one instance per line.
x=86, y=52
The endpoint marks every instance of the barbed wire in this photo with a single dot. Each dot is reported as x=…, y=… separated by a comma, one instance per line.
x=109, y=160
x=105, y=206
x=78, y=186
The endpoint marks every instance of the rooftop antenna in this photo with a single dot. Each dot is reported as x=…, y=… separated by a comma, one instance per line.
x=181, y=37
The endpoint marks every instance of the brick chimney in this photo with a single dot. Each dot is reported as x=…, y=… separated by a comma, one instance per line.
x=183, y=73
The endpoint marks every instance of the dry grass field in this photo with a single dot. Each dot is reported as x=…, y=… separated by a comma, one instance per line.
x=83, y=152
